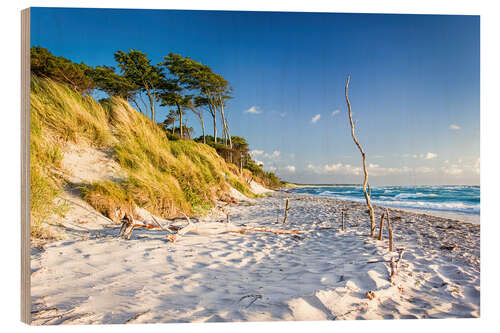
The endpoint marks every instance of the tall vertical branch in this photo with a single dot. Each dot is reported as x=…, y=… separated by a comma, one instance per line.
x=363, y=155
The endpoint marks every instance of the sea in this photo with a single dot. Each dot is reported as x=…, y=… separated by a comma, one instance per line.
x=455, y=199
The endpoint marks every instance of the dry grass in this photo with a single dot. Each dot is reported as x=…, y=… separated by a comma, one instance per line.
x=163, y=176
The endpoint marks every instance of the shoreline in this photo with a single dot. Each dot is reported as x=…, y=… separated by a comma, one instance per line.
x=457, y=216
x=238, y=272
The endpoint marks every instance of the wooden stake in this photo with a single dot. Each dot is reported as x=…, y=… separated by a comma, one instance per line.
x=342, y=220
x=395, y=264
x=390, y=229
x=278, y=214
x=286, y=211
x=381, y=226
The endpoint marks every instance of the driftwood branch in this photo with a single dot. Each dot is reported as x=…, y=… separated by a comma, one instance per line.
x=363, y=155
x=129, y=224
x=278, y=213
x=342, y=220
x=389, y=227
x=286, y=211
x=395, y=264
x=381, y=227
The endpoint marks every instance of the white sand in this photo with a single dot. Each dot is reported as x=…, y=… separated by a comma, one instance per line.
x=259, y=189
x=94, y=277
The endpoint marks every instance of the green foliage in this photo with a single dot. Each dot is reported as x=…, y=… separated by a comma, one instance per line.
x=269, y=179
x=113, y=84
x=45, y=64
x=136, y=69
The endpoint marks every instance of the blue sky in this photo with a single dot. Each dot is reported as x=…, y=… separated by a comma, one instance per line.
x=414, y=83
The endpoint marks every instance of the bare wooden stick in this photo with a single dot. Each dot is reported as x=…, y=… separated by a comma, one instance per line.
x=389, y=227
x=286, y=211
x=395, y=264
x=158, y=223
x=278, y=213
x=381, y=226
x=342, y=220
x=363, y=156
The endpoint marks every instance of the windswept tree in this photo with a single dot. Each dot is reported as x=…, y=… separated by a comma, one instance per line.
x=212, y=88
x=216, y=91
x=45, y=64
x=170, y=121
x=113, y=84
x=137, y=69
x=366, y=191
x=173, y=94
x=196, y=106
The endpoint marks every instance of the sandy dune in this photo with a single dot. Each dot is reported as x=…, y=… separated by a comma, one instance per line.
x=218, y=275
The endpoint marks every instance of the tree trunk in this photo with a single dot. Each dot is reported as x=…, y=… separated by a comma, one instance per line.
x=137, y=105
x=215, y=128
x=180, y=119
x=363, y=155
x=173, y=126
x=213, y=113
x=151, y=105
x=203, y=129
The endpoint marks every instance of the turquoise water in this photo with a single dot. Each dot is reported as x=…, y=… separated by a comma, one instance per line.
x=456, y=199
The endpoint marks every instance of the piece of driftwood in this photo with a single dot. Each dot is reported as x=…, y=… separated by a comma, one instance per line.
x=278, y=213
x=181, y=232
x=129, y=224
x=395, y=264
x=286, y=211
x=342, y=220
x=254, y=296
x=137, y=315
x=389, y=227
x=363, y=156
x=381, y=226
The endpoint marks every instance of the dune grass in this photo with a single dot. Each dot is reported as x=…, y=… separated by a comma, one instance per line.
x=162, y=176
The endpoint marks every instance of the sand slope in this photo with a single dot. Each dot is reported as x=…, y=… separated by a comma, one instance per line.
x=218, y=275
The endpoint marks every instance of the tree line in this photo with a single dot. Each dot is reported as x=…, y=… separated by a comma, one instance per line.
x=178, y=82
x=181, y=83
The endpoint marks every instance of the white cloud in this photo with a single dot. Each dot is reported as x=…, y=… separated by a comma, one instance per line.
x=430, y=156
x=254, y=110
x=271, y=169
x=315, y=118
x=335, y=112
x=454, y=127
x=373, y=170
x=335, y=168
x=452, y=170
x=290, y=168
x=256, y=152
x=282, y=114
x=477, y=166
x=275, y=154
